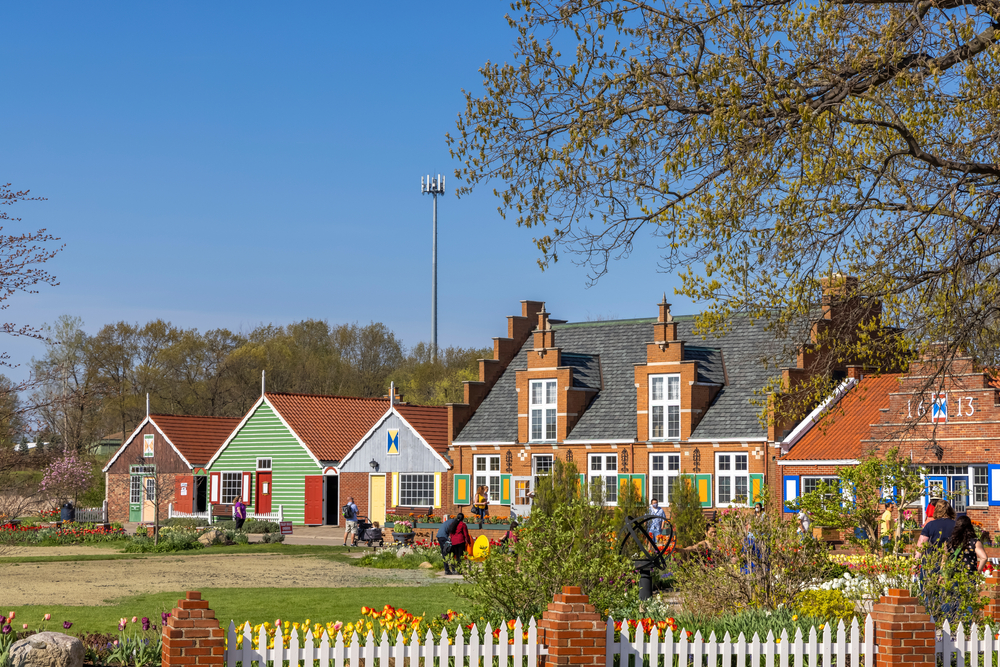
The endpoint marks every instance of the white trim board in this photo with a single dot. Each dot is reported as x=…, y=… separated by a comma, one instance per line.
x=147, y=420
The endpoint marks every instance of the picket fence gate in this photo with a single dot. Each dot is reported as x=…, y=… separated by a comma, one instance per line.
x=847, y=649
x=414, y=653
x=964, y=649
x=92, y=514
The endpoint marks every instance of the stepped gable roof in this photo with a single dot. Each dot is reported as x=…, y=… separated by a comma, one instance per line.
x=196, y=438
x=329, y=426
x=431, y=422
x=842, y=434
x=742, y=360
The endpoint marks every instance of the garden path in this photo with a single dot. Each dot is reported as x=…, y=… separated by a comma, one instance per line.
x=99, y=582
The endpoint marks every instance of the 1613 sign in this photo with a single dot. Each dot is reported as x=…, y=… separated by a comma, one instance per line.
x=939, y=408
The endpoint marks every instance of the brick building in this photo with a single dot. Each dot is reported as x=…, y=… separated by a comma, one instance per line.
x=949, y=425
x=310, y=453
x=630, y=401
x=162, y=462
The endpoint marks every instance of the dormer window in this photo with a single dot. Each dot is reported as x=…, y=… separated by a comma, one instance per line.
x=665, y=407
x=543, y=410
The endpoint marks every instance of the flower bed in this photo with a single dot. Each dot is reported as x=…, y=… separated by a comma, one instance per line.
x=68, y=533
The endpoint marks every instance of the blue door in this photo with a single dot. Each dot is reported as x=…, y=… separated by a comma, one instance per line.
x=935, y=487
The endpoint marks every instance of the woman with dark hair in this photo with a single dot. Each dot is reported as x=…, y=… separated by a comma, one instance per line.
x=965, y=542
x=459, y=538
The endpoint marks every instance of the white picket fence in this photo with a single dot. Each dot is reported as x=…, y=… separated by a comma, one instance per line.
x=173, y=514
x=92, y=514
x=338, y=653
x=268, y=516
x=847, y=649
x=278, y=515
x=965, y=649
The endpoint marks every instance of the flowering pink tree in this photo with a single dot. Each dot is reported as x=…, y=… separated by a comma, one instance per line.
x=67, y=477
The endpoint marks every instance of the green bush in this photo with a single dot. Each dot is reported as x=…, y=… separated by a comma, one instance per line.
x=228, y=524
x=175, y=541
x=685, y=512
x=259, y=526
x=826, y=604
x=749, y=622
x=386, y=559
x=273, y=538
x=178, y=522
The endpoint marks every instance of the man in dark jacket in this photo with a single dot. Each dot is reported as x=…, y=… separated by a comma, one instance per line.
x=444, y=541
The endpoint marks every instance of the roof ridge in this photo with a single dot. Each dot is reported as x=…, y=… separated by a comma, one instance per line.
x=164, y=414
x=355, y=398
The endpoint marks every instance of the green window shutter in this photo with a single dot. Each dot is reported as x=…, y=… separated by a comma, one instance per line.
x=756, y=487
x=462, y=489
x=704, y=483
x=505, y=490
x=623, y=482
x=583, y=486
x=639, y=481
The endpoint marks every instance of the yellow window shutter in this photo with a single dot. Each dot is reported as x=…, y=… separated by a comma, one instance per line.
x=437, y=489
x=395, y=489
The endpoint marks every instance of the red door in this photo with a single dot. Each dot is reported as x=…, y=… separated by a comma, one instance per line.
x=183, y=493
x=314, y=500
x=262, y=504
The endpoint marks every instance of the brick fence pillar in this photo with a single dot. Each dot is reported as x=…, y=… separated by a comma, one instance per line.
x=573, y=631
x=192, y=635
x=904, y=631
x=991, y=591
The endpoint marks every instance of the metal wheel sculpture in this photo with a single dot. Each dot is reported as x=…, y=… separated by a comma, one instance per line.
x=646, y=552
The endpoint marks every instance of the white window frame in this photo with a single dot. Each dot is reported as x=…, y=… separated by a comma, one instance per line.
x=135, y=489
x=733, y=474
x=820, y=479
x=543, y=410
x=536, y=472
x=604, y=474
x=974, y=487
x=265, y=464
x=426, y=481
x=232, y=478
x=488, y=475
x=665, y=477
x=149, y=489
x=665, y=406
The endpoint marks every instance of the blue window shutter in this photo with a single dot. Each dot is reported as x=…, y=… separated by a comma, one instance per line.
x=791, y=487
x=994, y=483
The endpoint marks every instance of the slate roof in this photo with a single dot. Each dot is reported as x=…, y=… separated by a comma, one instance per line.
x=842, y=434
x=330, y=426
x=586, y=370
x=743, y=359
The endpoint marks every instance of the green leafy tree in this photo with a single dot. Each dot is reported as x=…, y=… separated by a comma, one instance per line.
x=765, y=146
x=857, y=501
x=567, y=541
x=686, y=513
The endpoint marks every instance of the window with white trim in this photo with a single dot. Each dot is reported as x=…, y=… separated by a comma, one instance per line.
x=232, y=487
x=664, y=471
x=488, y=474
x=603, y=475
x=541, y=466
x=135, y=490
x=810, y=484
x=980, y=486
x=664, y=407
x=732, y=479
x=151, y=489
x=263, y=464
x=543, y=410
x=416, y=490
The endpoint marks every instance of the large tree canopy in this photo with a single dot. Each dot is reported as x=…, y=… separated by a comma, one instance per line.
x=764, y=145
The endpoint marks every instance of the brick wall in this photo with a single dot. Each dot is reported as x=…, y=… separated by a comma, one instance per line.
x=356, y=484
x=118, y=494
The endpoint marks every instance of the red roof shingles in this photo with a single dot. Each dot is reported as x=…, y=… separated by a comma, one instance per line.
x=196, y=438
x=331, y=426
x=430, y=422
x=840, y=435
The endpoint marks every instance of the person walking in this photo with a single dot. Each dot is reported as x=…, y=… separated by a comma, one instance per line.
x=460, y=537
x=444, y=541
x=239, y=513
x=350, y=513
x=481, y=504
x=656, y=525
x=939, y=530
x=967, y=545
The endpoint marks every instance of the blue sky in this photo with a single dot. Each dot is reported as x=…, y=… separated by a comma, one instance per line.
x=228, y=165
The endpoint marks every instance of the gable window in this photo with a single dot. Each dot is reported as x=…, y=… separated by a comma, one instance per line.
x=488, y=475
x=263, y=464
x=732, y=485
x=604, y=476
x=543, y=410
x=416, y=490
x=664, y=407
x=664, y=471
x=232, y=487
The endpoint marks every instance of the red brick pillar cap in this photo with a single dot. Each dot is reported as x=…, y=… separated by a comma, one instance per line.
x=898, y=593
x=194, y=595
x=571, y=590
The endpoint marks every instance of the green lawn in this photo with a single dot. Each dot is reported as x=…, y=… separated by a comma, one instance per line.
x=249, y=604
x=338, y=554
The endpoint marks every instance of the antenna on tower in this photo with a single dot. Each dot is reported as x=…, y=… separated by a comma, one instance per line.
x=434, y=187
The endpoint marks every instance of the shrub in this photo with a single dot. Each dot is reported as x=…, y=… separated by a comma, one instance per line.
x=184, y=540
x=228, y=524
x=273, y=538
x=756, y=562
x=829, y=605
x=685, y=512
x=259, y=526
x=750, y=621
x=178, y=522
